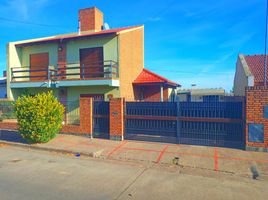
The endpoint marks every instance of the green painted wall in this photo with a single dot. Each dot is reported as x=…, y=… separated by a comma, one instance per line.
x=33, y=91
x=73, y=93
x=51, y=48
x=109, y=45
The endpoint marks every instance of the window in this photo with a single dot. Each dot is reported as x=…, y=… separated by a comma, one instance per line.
x=255, y=133
x=265, y=111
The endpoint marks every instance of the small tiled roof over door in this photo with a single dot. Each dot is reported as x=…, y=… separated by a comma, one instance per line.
x=148, y=77
x=256, y=67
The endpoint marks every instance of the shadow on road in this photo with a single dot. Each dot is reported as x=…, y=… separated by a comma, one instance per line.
x=11, y=136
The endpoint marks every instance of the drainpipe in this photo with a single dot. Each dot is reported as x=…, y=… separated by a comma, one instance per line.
x=161, y=93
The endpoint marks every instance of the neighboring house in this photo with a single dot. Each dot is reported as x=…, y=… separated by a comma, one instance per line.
x=249, y=72
x=3, y=86
x=210, y=94
x=96, y=62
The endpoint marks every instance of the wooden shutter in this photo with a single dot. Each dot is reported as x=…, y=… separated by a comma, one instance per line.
x=92, y=60
x=39, y=61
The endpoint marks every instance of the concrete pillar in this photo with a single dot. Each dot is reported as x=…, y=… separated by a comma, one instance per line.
x=117, y=119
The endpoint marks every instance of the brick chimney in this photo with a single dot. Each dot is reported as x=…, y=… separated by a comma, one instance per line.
x=90, y=19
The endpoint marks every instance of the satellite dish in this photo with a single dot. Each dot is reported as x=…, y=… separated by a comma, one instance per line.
x=105, y=26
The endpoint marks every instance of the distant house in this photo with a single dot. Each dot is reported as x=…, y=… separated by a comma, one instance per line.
x=206, y=94
x=96, y=62
x=3, y=86
x=249, y=72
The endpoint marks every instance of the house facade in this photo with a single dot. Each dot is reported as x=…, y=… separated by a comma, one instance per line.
x=96, y=62
x=249, y=72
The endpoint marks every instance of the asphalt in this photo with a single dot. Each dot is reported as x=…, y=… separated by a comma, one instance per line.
x=28, y=174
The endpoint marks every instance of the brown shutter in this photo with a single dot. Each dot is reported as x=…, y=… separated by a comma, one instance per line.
x=39, y=61
x=92, y=60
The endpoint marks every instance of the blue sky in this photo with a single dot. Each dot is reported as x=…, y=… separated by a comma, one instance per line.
x=191, y=42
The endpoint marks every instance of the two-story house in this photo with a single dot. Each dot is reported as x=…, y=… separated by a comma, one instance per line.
x=96, y=61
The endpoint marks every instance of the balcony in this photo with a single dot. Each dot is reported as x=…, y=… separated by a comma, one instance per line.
x=71, y=74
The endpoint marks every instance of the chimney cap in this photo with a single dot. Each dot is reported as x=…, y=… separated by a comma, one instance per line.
x=91, y=8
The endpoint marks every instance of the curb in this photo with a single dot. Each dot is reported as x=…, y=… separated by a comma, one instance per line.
x=27, y=146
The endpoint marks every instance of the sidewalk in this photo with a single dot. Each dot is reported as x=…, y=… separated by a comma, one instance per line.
x=209, y=158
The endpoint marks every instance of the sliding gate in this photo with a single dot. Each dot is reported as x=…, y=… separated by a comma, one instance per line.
x=199, y=123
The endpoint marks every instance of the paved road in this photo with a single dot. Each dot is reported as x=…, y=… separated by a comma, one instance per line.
x=27, y=175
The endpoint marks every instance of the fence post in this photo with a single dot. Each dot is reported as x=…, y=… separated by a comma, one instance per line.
x=86, y=115
x=178, y=121
x=117, y=119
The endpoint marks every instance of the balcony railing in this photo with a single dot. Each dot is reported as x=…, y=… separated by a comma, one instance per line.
x=74, y=71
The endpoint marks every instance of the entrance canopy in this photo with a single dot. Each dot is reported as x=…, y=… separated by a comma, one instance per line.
x=147, y=77
x=149, y=86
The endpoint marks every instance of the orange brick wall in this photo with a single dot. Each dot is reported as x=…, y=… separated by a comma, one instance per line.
x=9, y=125
x=131, y=60
x=256, y=99
x=150, y=93
x=117, y=119
x=86, y=120
x=91, y=19
x=62, y=51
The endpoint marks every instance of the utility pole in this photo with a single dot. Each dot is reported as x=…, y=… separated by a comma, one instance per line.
x=265, y=45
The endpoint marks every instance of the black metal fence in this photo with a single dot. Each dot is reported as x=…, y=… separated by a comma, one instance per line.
x=7, y=110
x=211, y=123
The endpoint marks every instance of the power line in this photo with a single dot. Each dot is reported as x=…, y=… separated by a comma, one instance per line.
x=185, y=72
x=32, y=23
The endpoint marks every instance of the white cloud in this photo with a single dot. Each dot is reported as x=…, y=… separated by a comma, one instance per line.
x=22, y=9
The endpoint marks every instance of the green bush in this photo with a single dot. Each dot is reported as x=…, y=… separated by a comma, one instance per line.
x=39, y=117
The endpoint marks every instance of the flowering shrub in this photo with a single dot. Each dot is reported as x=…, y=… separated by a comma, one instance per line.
x=39, y=117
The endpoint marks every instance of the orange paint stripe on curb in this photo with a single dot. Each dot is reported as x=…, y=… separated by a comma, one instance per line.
x=117, y=148
x=216, y=167
x=161, y=154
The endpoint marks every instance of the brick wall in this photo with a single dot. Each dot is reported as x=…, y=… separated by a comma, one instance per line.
x=256, y=99
x=151, y=93
x=117, y=119
x=86, y=120
x=131, y=59
x=91, y=19
x=9, y=125
x=62, y=51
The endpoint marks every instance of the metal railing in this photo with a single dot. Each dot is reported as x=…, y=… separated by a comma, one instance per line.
x=101, y=69
x=7, y=111
x=72, y=112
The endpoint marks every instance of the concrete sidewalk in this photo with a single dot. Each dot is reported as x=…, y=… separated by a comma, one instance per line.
x=200, y=157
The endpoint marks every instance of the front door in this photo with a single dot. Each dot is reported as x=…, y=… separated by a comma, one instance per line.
x=39, y=65
x=91, y=62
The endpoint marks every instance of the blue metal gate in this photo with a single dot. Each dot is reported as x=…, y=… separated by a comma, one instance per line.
x=101, y=120
x=211, y=123
x=155, y=119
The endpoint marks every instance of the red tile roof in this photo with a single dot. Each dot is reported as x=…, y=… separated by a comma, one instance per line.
x=256, y=67
x=76, y=35
x=148, y=77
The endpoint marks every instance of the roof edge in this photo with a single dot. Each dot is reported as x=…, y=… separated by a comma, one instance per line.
x=245, y=65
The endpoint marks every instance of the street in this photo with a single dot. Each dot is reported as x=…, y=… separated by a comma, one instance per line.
x=27, y=174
